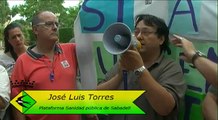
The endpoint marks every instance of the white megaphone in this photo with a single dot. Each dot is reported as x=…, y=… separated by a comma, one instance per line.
x=117, y=38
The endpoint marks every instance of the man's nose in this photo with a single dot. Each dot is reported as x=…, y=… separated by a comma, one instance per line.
x=139, y=36
x=55, y=27
x=18, y=38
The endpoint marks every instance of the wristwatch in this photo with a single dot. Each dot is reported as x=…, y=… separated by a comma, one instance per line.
x=139, y=71
x=196, y=55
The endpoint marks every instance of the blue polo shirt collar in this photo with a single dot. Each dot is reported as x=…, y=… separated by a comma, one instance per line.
x=35, y=55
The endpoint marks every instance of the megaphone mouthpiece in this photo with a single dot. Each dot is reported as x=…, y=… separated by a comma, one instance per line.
x=136, y=44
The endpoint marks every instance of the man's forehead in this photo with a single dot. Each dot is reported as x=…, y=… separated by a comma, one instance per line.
x=145, y=27
x=47, y=14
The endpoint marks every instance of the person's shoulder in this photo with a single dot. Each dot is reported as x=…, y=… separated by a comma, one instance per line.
x=2, y=69
x=2, y=55
x=67, y=44
x=167, y=61
x=5, y=56
x=22, y=57
x=5, y=60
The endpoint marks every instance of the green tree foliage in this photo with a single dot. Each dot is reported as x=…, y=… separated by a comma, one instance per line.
x=5, y=16
x=67, y=19
x=66, y=15
x=4, y=12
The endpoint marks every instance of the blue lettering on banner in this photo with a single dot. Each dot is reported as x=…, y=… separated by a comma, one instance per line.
x=184, y=16
x=147, y=2
x=89, y=20
x=182, y=64
x=120, y=10
x=96, y=16
x=189, y=101
x=100, y=60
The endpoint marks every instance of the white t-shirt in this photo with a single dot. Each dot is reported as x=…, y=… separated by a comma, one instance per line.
x=4, y=89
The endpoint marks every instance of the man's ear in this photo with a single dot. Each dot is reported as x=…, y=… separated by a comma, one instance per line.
x=35, y=30
x=162, y=38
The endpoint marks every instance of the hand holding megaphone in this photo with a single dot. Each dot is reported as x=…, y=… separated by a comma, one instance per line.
x=131, y=60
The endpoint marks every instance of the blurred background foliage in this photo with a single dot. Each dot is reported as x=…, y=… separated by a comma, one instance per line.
x=66, y=16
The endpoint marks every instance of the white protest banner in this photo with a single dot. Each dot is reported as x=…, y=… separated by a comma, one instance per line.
x=196, y=19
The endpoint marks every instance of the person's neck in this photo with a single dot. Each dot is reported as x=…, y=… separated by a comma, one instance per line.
x=20, y=51
x=149, y=58
x=45, y=49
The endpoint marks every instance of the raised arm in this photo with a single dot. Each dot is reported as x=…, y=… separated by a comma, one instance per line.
x=205, y=66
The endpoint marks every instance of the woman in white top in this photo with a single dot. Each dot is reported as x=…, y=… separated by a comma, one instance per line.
x=4, y=91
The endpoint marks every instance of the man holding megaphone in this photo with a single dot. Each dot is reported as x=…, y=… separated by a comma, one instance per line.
x=148, y=69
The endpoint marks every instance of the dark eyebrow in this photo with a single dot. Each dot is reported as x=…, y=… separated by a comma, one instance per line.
x=14, y=36
x=144, y=28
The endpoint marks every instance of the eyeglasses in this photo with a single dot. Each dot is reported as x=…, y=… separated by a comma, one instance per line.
x=145, y=32
x=49, y=24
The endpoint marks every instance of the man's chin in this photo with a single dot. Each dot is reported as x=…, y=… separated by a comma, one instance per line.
x=142, y=51
x=55, y=38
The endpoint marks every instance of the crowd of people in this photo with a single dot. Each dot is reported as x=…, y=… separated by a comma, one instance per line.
x=51, y=65
x=14, y=46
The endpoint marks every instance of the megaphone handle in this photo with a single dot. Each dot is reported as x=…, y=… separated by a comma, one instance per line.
x=125, y=80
